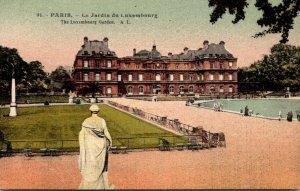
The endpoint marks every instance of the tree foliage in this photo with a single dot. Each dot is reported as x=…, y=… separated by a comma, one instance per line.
x=274, y=72
x=278, y=19
x=61, y=80
x=11, y=64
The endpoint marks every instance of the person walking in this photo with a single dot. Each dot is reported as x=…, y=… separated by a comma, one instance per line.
x=95, y=142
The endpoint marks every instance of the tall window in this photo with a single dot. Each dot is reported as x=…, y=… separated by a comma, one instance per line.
x=171, y=77
x=130, y=90
x=212, y=89
x=181, y=77
x=185, y=66
x=137, y=66
x=171, y=89
x=126, y=65
x=181, y=90
x=141, y=90
x=97, y=77
x=108, y=90
x=221, y=76
x=230, y=76
x=130, y=77
x=108, y=76
x=85, y=77
x=230, y=89
x=157, y=77
x=119, y=77
x=176, y=66
x=97, y=64
x=201, y=76
x=140, y=77
x=230, y=64
x=221, y=65
x=211, y=76
x=85, y=63
x=191, y=78
x=191, y=89
x=211, y=65
x=221, y=89
x=108, y=63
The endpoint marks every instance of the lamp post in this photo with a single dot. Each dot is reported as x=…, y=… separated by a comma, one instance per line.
x=13, y=105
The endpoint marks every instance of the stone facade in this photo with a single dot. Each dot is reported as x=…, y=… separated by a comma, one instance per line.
x=208, y=70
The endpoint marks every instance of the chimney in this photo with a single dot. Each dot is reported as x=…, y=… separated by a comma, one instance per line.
x=154, y=47
x=85, y=40
x=205, y=44
x=222, y=43
x=134, y=51
x=105, y=41
x=185, y=50
x=170, y=54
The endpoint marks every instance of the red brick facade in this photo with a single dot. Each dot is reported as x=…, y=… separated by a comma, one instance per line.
x=208, y=70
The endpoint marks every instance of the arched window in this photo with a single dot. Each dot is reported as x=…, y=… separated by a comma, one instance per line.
x=181, y=90
x=141, y=90
x=171, y=89
x=130, y=90
x=221, y=89
x=191, y=89
x=212, y=89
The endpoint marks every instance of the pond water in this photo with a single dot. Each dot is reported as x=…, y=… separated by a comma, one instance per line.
x=264, y=107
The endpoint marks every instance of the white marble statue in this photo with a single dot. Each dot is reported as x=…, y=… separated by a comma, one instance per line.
x=95, y=142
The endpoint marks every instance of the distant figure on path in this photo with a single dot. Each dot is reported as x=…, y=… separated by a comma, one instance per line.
x=95, y=142
x=246, y=111
x=279, y=116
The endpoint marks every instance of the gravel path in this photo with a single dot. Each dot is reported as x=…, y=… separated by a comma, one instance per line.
x=260, y=153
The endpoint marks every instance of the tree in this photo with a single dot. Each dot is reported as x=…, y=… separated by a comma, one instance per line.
x=274, y=72
x=61, y=80
x=11, y=64
x=278, y=19
x=37, y=78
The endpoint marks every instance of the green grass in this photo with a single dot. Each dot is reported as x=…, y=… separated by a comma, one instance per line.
x=40, y=127
x=36, y=99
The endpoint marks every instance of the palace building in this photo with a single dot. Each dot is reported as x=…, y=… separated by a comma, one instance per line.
x=208, y=70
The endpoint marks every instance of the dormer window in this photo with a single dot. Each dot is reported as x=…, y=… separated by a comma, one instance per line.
x=108, y=52
x=230, y=64
x=101, y=52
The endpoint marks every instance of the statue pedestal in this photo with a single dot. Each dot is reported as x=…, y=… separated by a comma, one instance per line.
x=70, y=99
x=93, y=100
x=13, y=110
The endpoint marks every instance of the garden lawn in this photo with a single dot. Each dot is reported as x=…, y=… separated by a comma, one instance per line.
x=47, y=126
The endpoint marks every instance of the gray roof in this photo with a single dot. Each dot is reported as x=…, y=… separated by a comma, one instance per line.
x=147, y=54
x=213, y=51
x=95, y=47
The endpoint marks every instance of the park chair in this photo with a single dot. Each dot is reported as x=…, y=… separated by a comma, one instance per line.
x=44, y=151
x=53, y=152
x=123, y=150
x=193, y=145
x=28, y=152
x=114, y=150
x=164, y=145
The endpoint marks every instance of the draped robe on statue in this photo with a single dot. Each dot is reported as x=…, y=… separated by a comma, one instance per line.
x=94, y=140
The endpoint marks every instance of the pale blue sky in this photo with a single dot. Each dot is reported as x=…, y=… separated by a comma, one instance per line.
x=180, y=23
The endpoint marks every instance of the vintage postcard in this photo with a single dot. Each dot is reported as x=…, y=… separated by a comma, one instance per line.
x=146, y=94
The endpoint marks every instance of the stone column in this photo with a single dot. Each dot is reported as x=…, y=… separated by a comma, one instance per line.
x=13, y=105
